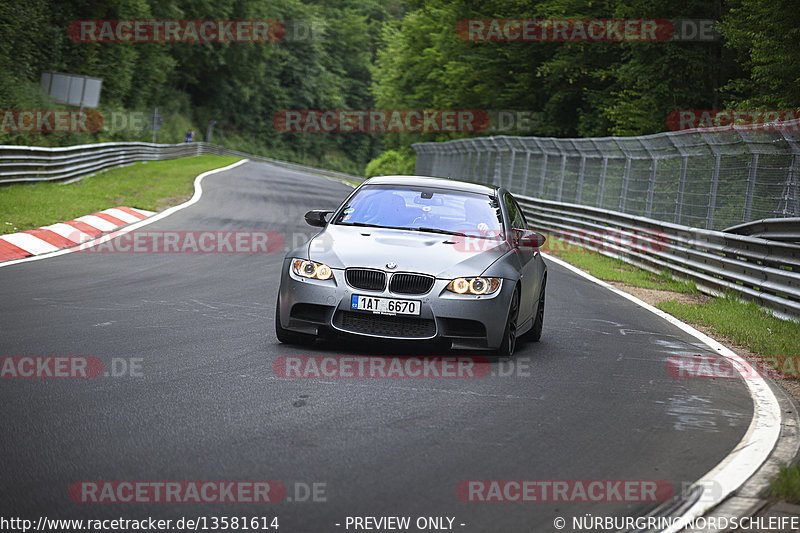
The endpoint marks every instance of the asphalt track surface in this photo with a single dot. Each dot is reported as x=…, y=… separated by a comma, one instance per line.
x=591, y=401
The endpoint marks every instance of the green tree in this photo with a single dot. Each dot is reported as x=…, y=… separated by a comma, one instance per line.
x=765, y=36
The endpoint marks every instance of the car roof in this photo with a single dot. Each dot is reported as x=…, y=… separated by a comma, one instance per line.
x=428, y=181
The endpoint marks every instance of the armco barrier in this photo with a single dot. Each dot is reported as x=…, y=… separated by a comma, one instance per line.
x=33, y=163
x=766, y=271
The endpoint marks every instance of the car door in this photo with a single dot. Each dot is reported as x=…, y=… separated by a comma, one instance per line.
x=529, y=268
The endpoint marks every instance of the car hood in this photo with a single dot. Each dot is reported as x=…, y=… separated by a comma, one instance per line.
x=444, y=256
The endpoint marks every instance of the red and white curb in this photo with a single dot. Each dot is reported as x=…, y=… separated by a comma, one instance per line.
x=67, y=234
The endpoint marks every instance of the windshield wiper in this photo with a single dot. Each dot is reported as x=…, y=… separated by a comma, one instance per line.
x=360, y=224
x=437, y=230
x=458, y=233
x=421, y=228
x=366, y=225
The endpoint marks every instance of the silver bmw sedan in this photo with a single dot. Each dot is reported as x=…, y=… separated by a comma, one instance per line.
x=417, y=258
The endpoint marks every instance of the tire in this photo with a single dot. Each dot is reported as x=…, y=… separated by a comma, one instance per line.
x=535, y=333
x=287, y=336
x=509, y=342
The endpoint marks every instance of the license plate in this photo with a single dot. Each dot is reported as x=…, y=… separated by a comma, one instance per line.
x=385, y=306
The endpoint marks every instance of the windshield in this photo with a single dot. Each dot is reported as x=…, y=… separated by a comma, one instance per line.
x=423, y=209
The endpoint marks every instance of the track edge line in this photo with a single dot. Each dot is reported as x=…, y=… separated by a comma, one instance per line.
x=758, y=442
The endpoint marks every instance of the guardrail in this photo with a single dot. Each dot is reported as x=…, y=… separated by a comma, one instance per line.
x=765, y=271
x=771, y=229
x=33, y=163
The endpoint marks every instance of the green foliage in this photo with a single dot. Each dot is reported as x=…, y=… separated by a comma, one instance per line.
x=326, y=64
x=786, y=486
x=391, y=162
x=397, y=54
x=590, y=88
x=765, y=34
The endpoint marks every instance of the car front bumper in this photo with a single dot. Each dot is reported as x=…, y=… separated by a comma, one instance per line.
x=315, y=307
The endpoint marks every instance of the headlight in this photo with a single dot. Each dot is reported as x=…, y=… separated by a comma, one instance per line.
x=474, y=285
x=310, y=269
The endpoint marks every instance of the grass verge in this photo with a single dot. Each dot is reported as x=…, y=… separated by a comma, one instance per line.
x=610, y=269
x=786, y=486
x=744, y=323
x=152, y=185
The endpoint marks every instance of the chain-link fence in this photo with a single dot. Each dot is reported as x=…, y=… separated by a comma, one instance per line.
x=713, y=178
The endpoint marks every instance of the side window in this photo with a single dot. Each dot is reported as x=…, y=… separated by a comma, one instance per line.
x=515, y=214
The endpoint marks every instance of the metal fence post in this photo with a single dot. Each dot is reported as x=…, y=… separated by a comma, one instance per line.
x=525, y=172
x=459, y=161
x=751, y=187
x=602, y=185
x=651, y=183
x=563, y=169
x=712, y=193
x=681, y=177
x=513, y=156
x=543, y=173
x=623, y=195
x=579, y=192
x=477, y=163
x=497, y=179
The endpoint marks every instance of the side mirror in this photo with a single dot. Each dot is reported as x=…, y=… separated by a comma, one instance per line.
x=316, y=217
x=530, y=240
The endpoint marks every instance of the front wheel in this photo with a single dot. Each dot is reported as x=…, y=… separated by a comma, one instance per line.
x=287, y=336
x=509, y=342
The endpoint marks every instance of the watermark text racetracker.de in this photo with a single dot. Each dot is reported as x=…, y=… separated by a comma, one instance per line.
x=586, y=30
x=180, y=242
x=69, y=367
x=178, y=492
x=564, y=490
x=176, y=31
x=395, y=367
x=743, y=119
x=608, y=239
x=381, y=121
x=405, y=120
x=786, y=367
x=50, y=121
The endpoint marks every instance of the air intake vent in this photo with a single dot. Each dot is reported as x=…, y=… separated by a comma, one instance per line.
x=410, y=283
x=368, y=280
x=385, y=326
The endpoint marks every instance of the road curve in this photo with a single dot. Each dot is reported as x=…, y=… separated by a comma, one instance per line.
x=591, y=401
